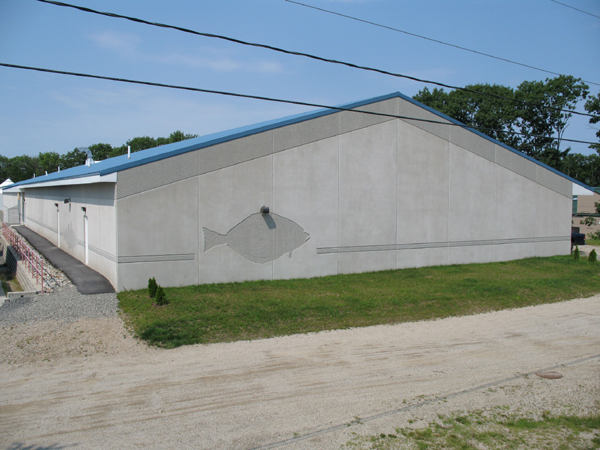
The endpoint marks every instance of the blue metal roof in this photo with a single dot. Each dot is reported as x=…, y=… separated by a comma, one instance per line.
x=142, y=157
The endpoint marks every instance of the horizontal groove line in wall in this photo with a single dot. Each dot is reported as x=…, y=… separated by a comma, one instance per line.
x=156, y=258
x=454, y=244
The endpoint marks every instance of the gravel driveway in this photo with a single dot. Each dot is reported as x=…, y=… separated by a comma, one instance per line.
x=85, y=383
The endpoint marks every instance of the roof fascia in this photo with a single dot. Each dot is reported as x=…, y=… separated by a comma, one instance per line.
x=93, y=179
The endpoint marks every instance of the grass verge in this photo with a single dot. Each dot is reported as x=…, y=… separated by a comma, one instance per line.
x=261, y=309
x=490, y=430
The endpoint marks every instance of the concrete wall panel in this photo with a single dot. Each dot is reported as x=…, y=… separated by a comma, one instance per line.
x=367, y=186
x=408, y=109
x=552, y=212
x=303, y=133
x=554, y=181
x=421, y=257
x=468, y=140
x=160, y=173
x=171, y=170
x=515, y=162
x=159, y=222
x=472, y=204
x=514, y=214
x=472, y=254
x=235, y=152
x=350, y=121
x=305, y=190
x=366, y=261
x=167, y=274
x=543, y=249
x=423, y=174
x=509, y=252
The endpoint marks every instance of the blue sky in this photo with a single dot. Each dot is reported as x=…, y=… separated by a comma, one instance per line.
x=46, y=112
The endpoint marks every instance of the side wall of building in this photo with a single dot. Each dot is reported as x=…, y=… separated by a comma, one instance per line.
x=64, y=224
x=369, y=192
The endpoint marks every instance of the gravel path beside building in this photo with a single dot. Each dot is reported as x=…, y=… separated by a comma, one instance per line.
x=65, y=304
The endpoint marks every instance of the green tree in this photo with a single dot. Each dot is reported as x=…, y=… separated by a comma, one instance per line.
x=545, y=113
x=593, y=107
x=73, y=159
x=3, y=163
x=496, y=117
x=533, y=108
x=141, y=143
x=21, y=168
x=100, y=151
x=585, y=168
x=178, y=136
x=48, y=162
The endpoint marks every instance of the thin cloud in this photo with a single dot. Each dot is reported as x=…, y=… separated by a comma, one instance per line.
x=122, y=43
x=220, y=63
x=127, y=44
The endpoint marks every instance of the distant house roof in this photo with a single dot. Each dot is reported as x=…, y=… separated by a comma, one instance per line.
x=102, y=170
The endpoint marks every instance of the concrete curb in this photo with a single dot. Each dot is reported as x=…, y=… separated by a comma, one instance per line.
x=20, y=294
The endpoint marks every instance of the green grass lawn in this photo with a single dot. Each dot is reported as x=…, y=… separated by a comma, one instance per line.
x=590, y=241
x=260, y=309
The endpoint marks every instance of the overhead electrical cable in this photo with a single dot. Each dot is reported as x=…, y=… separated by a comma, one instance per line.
x=295, y=53
x=576, y=9
x=428, y=38
x=278, y=100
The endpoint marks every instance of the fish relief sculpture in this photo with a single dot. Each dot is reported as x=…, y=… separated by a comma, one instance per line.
x=260, y=238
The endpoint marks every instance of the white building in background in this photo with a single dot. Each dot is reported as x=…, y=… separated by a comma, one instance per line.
x=5, y=183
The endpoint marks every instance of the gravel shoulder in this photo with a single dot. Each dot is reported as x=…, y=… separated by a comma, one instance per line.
x=81, y=380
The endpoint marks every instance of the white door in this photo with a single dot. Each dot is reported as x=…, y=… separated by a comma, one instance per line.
x=85, y=236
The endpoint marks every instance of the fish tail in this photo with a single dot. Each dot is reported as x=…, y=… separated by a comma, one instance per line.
x=212, y=239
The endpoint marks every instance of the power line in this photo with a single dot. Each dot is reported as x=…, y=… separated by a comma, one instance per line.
x=576, y=9
x=295, y=53
x=428, y=38
x=278, y=100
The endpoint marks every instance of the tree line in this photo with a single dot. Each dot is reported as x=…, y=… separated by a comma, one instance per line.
x=25, y=167
x=538, y=110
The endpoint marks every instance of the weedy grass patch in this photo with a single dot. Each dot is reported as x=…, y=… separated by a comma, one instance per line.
x=261, y=309
x=490, y=430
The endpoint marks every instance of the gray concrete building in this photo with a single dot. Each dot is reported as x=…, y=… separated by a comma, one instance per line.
x=345, y=191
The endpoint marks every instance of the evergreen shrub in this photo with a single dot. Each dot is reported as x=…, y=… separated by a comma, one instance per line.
x=152, y=287
x=161, y=297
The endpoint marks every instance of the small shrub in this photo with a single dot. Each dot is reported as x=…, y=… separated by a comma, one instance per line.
x=161, y=298
x=152, y=287
x=593, y=256
x=576, y=253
